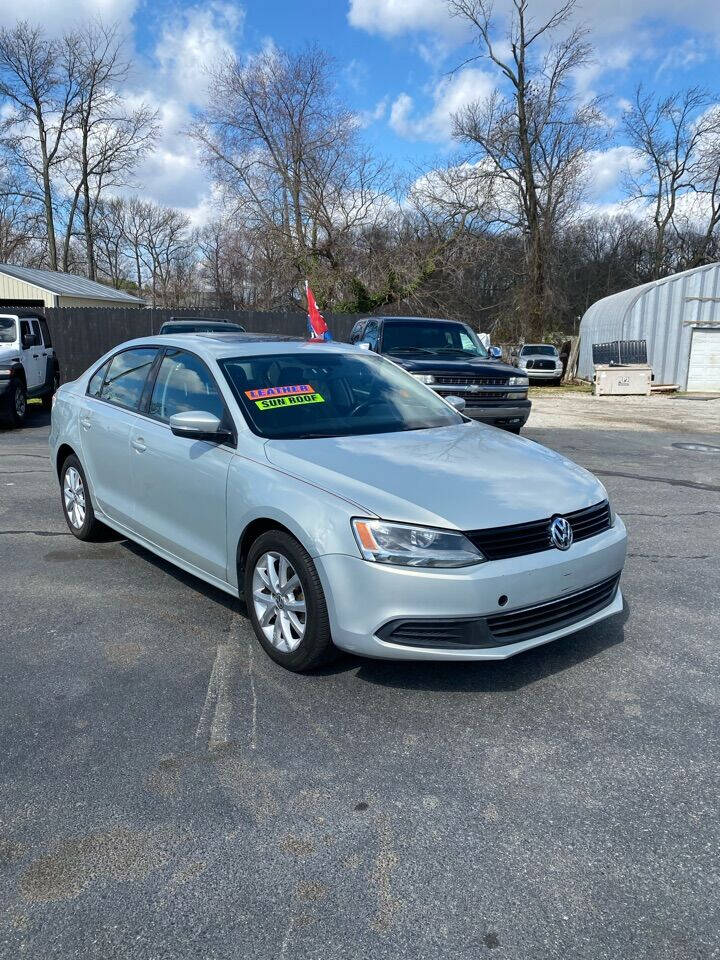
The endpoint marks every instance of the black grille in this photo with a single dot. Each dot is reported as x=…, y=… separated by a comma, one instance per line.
x=503, y=628
x=541, y=364
x=448, y=634
x=520, y=539
x=463, y=379
x=474, y=399
x=529, y=622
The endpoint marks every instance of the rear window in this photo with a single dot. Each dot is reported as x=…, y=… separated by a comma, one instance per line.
x=127, y=375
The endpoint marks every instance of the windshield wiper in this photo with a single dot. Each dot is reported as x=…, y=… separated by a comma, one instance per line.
x=411, y=350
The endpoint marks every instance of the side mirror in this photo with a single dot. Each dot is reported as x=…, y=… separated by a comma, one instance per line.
x=496, y=353
x=364, y=345
x=198, y=425
x=29, y=340
x=457, y=402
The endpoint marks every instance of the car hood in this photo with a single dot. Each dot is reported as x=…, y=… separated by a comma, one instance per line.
x=466, y=476
x=537, y=356
x=442, y=362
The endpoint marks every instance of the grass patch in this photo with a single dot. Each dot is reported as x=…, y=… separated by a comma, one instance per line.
x=542, y=391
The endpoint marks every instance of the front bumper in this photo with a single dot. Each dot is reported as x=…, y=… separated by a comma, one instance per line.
x=500, y=414
x=363, y=598
x=533, y=374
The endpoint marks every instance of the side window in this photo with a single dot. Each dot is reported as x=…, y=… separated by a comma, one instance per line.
x=96, y=381
x=45, y=332
x=184, y=383
x=356, y=332
x=36, y=331
x=372, y=332
x=126, y=377
x=25, y=330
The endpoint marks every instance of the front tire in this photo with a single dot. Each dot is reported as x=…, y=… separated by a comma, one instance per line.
x=76, y=501
x=286, y=603
x=16, y=409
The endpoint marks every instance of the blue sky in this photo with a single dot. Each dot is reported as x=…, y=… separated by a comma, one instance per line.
x=395, y=60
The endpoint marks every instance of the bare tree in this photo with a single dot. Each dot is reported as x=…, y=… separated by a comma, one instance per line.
x=39, y=79
x=287, y=155
x=532, y=143
x=109, y=141
x=678, y=142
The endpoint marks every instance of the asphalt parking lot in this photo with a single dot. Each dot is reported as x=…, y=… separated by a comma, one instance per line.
x=166, y=791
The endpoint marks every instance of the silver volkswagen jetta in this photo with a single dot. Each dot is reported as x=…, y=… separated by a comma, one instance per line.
x=351, y=505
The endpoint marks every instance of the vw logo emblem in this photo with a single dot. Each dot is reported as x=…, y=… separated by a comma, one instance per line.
x=561, y=534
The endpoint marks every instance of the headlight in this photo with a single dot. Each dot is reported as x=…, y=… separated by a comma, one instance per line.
x=409, y=546
x=522, y=362
x=424, y=377
x=518, y=382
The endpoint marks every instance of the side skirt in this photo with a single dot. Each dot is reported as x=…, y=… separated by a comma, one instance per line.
x=166, y=555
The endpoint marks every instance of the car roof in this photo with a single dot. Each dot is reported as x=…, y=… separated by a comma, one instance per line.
x=193, y=321
x=415, y=319
x=232, y=344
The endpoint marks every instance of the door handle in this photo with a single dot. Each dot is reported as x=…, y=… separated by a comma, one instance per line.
x=85, y=422
x=35, y=356
x=139, y=444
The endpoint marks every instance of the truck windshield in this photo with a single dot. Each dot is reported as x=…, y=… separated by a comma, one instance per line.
x=539, y=349
x=299, y=396
x=7, y=330
x=404, y=337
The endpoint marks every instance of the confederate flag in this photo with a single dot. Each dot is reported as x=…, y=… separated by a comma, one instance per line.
x=317, y=328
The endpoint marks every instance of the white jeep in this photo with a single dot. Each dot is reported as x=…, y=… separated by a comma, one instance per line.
x=28, y=365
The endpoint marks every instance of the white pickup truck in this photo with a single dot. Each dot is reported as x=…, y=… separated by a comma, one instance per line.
x=28, y=365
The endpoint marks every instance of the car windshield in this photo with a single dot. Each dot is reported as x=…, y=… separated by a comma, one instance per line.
x=7, y=330
x=538, y=349
x=428, y=337
x=201, y=328
x=314, y=394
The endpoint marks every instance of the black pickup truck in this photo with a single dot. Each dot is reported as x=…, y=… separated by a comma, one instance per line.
x=449, y=357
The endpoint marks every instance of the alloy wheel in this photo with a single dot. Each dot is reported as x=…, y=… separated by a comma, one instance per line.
x=74, y=496
x=279, y=601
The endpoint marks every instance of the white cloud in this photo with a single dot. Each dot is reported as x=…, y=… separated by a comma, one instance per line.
x=367, y=117
x=450, y=95
x=59, y=15
x=395, y=17
x=198, y=39
x=608, y=167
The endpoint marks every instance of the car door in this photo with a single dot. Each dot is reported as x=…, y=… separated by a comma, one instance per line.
x=32, y=360
x=107, y=413
x=180, y=484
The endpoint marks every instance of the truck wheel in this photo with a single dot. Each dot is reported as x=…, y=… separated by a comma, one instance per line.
x=76, y=502
x=286, y=604
x=16, y=404
x=47, y=399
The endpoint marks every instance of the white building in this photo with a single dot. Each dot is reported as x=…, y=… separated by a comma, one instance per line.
x=24, y=286
x=678, y=316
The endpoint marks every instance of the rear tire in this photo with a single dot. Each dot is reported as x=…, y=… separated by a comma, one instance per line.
x=286, y=603
x=76, y=501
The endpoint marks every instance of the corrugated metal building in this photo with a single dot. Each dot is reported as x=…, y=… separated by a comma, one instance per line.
x=678, y=316
x=36, y=288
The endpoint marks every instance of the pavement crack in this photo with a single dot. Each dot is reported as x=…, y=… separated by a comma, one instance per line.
x=35, y=533
x=672, y=481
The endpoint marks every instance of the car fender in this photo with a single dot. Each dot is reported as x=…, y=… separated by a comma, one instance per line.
x=319, y=520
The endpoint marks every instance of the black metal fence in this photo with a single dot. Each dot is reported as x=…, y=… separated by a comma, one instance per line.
x=620, y=351
x=82, y=334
